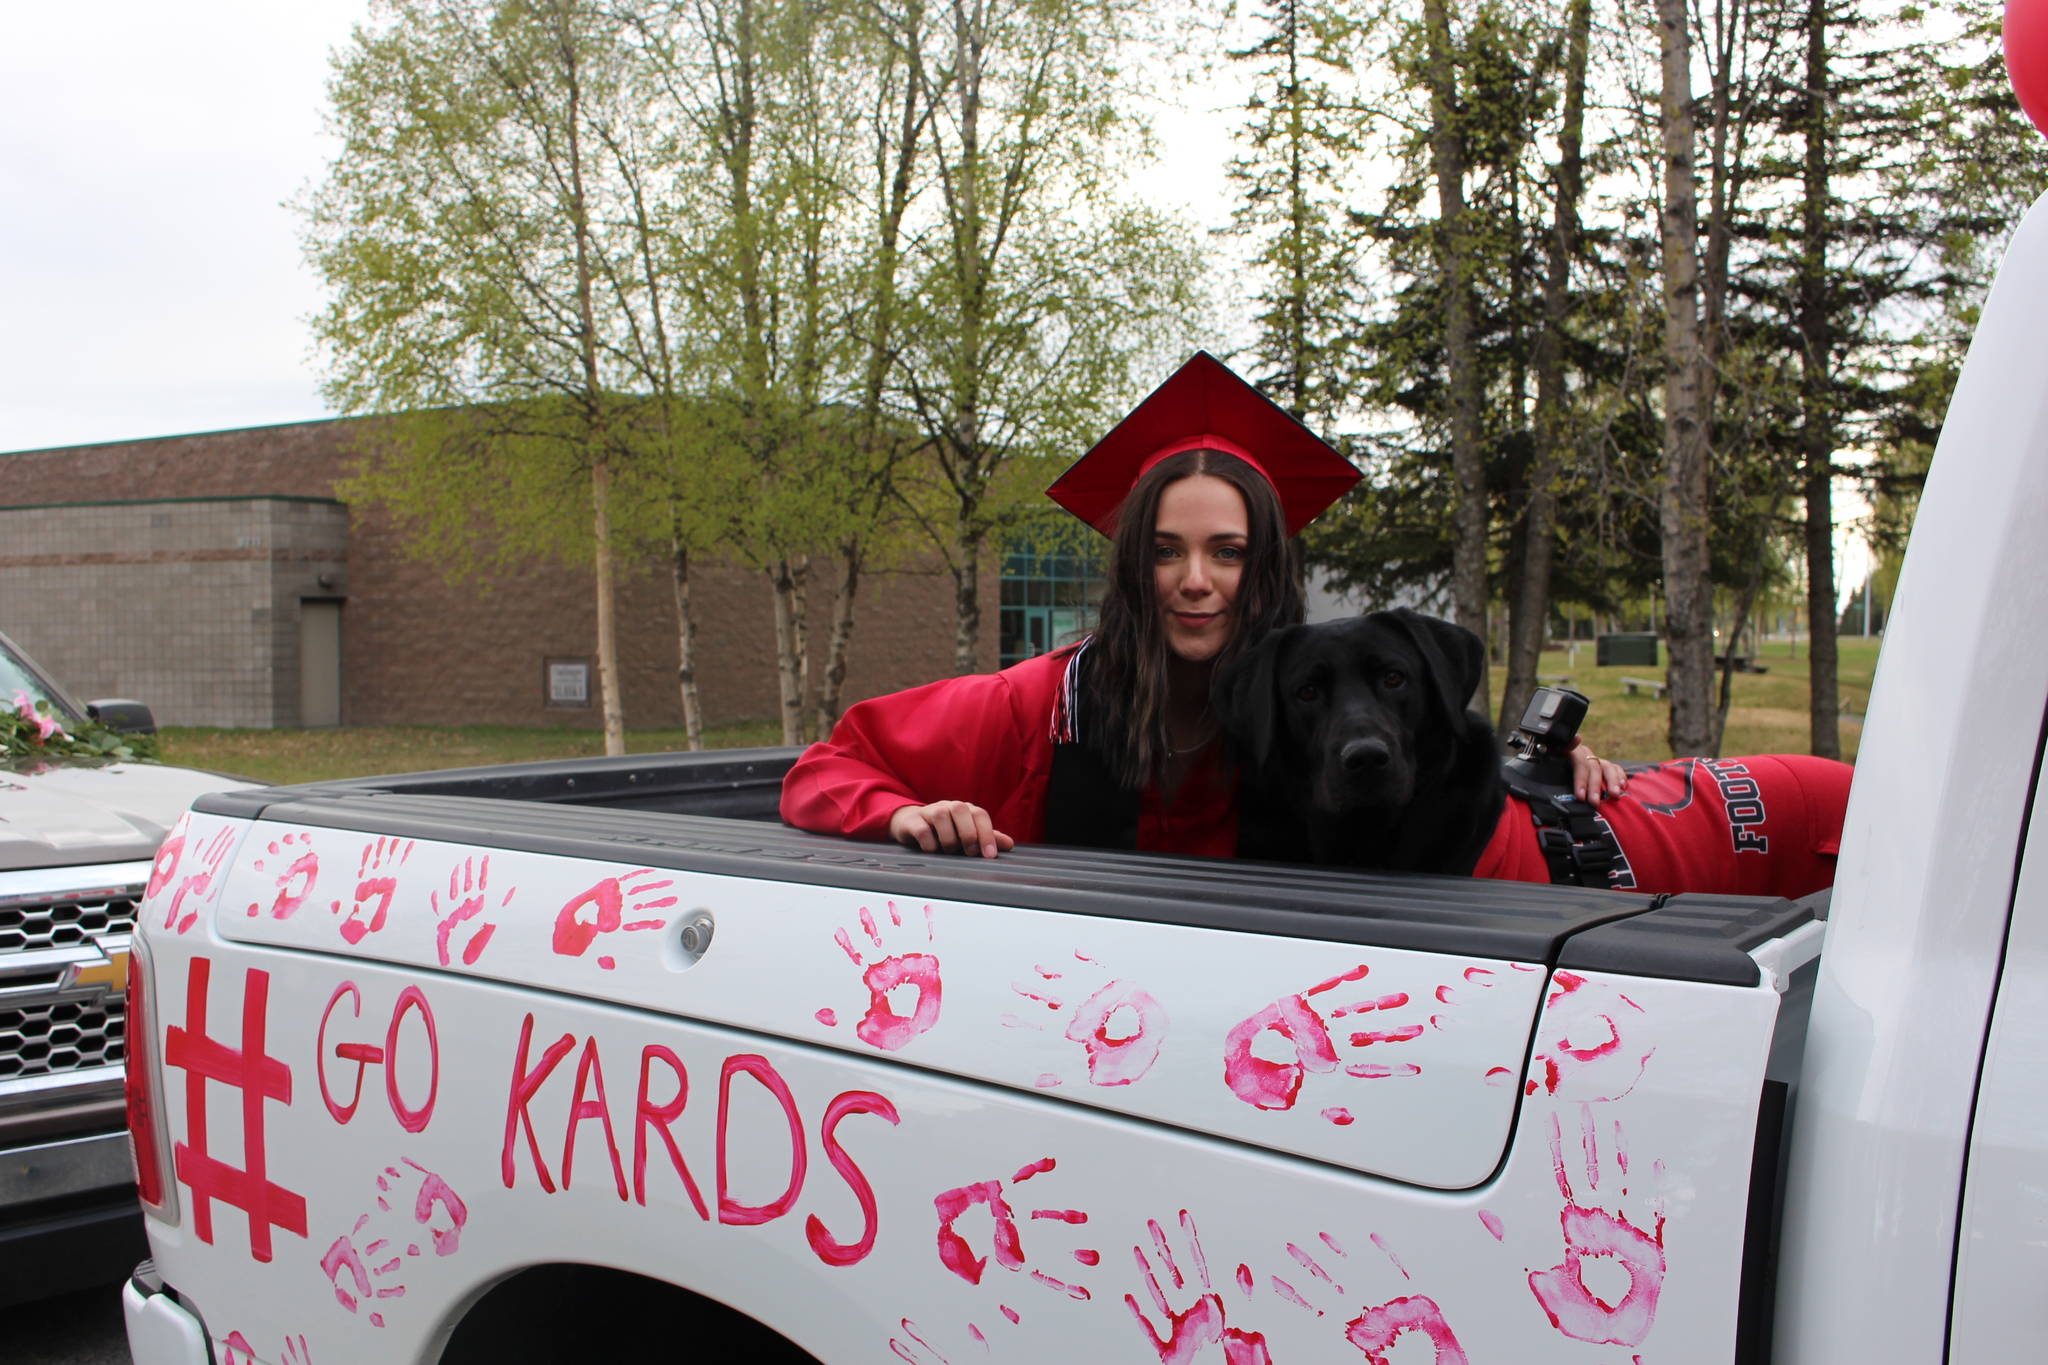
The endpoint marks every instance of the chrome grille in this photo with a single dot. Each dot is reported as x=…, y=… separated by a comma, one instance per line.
x=42, y=1040
x=63, y=923
x=53, y=920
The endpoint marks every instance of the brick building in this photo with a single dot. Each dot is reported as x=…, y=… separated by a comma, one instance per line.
x=219, y=578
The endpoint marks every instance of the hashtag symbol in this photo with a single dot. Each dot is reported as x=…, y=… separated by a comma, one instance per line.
x=259, y=1078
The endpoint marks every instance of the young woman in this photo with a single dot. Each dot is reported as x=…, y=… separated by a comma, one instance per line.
x=1112, y=742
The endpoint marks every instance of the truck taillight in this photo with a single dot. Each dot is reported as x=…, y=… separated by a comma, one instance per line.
x=152, y=1164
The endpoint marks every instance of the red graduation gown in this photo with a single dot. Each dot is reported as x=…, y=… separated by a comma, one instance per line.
x=1763, y=826
x=984, y=738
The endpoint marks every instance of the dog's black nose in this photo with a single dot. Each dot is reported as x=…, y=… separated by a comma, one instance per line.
x=1364, y=755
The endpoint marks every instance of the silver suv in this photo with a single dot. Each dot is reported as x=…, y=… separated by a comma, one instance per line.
x=77, y=837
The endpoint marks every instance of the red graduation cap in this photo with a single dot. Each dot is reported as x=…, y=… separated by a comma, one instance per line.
x=1205, y=405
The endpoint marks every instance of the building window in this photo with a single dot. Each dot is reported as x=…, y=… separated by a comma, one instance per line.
x=1048, y=597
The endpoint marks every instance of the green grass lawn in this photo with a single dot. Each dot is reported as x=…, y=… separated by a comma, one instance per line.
x=1768, y=715
x=284, y=756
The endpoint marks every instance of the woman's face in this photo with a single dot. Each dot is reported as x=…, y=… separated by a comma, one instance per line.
x=1199, y=543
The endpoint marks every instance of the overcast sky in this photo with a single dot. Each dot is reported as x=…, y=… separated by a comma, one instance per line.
x=149, y=268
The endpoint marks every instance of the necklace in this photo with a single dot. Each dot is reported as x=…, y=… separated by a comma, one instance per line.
x=1207, y=735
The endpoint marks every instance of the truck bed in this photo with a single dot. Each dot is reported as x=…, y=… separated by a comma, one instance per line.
x=716, y=812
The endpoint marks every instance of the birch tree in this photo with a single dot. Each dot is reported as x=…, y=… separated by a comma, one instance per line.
x=1039, y=293
x=1449, y=158
x=1529, y=601
x=894, y=127
x=764, y=96
x=1688, y=592
x=474, y=252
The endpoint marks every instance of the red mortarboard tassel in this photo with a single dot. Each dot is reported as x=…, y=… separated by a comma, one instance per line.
x=1204, y=404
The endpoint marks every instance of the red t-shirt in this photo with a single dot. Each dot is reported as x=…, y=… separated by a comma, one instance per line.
x=1761, y=826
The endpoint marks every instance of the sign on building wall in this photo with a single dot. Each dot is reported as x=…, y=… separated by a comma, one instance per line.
x=568, y=682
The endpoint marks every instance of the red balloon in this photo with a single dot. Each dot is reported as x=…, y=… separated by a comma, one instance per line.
x=2026, y=56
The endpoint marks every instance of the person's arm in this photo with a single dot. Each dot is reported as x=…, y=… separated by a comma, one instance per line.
x=1594, y=778
x=949, y=827
x=922, y=768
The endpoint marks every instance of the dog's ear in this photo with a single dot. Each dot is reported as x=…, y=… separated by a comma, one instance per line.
x=1456, y=659
x=1244, y=695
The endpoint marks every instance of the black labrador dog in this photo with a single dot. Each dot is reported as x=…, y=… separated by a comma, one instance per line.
x=1357, y=747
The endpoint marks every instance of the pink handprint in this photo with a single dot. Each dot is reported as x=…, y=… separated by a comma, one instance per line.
x=168, y=854
x=1582, y=1047
x=376, y=884
x=199, y=866
x=603, y=909
x=435, y=1206
x=343, y=1256
x=1303, y=1024
x=1373, y=1330
x=916, y=1349
x=1006, y=1243
x=1203, y=1321
x=362, y=1264
x=298, y=869
x=1597, y=1233
x=468, y=889
x=1119, y=1026
x=883, y=1026
x=236, y=1350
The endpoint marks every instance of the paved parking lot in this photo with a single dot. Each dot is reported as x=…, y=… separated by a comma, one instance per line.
x=72, y=1329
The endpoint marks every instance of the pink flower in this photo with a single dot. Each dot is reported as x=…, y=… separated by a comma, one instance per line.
x=45, y=726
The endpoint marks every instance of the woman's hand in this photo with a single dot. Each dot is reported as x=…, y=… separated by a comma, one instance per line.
x=1593, y=777
x=949, y=827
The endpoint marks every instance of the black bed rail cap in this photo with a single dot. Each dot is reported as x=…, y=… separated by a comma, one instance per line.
x=561, y=781
x=1690, y=938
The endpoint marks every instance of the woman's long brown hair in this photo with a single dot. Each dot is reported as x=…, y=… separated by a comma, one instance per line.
x=1129, y=668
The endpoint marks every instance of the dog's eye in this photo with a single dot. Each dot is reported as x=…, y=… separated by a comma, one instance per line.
x=1393, y=679
x=1307, y=692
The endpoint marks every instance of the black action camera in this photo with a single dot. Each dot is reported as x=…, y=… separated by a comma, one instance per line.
x=1541, y=744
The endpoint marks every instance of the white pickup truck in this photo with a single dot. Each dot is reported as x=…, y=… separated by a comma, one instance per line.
x=76, y=833
x=597, y=1061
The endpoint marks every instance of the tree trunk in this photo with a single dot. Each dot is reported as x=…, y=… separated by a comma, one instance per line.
x=967, y=604
x=788, y=630
x=894, y=168
x=1448, y=159
x=970, y=261
x=832, y=686
x=597, y=411
x=1745, y=604
x=1297, y=214
x=661, y=373
x=1688, y=595
x=686, y=648
x=800, y=615
x=607, y=627
x=1816, y=428
x=1529, y=610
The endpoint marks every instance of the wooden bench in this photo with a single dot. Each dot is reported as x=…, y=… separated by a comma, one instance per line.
x=1554, y=679
x=1655, y=686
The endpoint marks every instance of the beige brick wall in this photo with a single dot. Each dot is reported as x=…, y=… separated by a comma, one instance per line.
x=190, y=606
x=185, y=594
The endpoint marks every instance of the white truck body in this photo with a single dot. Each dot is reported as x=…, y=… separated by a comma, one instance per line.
x=410, y=1040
